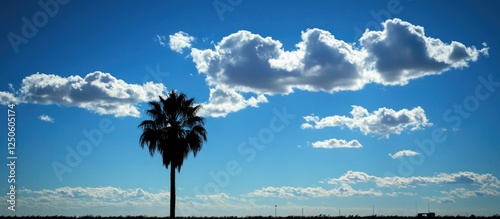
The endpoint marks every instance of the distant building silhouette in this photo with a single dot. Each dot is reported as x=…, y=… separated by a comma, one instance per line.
x=427, y=215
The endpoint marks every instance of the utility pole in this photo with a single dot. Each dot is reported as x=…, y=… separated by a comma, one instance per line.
x=373, y=210
x=275, y=210
x=302, y=212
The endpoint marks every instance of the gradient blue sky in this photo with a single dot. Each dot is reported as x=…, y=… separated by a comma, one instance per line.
x=304, y=109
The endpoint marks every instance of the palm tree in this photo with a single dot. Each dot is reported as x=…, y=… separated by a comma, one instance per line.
x=173, y=131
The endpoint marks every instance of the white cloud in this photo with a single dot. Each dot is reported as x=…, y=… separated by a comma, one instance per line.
x=396, y=194
x=219, y=198
x=477, y=185
x=84, y=197
x=382, y=121
x=312, y=192
x=46, y=118
x=467, y=193
x=7, y=98
x=461, y=193
x=482, y=181
x=402, y=52
x=240, y=58
x=98, y=92
x=247, y=62
x=403, y=153
x=337, y=143
x=484, y=184
x=223, y=101
x=441, y=200
x=137, y=201
x=104, y=201
x=179, y=41
x=352, y=177
x=161, y=40
x=320, y=62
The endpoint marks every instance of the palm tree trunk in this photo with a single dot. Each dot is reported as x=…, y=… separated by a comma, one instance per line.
x=172, y=192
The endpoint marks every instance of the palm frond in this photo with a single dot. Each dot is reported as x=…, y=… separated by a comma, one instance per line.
x=174, y=130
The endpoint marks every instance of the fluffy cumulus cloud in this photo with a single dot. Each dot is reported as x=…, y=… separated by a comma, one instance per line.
x=46, y=118
x=402, y=52
x=403, y=153
x=224, y=101
x=382, y=121
x=246, y=62
x=98, y=92
x=180, y=41
x=7, y=98
x=321, y=62
x=337, y=143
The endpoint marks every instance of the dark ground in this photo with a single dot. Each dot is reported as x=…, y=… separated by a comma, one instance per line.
x=256, y=217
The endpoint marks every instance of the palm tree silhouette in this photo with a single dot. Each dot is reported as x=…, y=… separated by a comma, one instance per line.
x=173, y=131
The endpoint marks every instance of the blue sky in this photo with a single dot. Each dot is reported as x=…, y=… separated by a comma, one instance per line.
x=304, y=108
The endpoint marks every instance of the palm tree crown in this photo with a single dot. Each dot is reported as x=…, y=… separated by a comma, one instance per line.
x=173, y=131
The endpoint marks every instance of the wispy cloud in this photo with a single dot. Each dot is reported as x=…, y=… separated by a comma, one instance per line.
x=99, y=200
x=403, y=153
x=161, y=40
x=479, y=184
x=461, y=178
x=89, y=200
x=467, y=193
x=337, y=143
x=98, y=92
x=116, y=201
x=46, y=118
x=312, y=192
x=440, y=199
x=382, y=121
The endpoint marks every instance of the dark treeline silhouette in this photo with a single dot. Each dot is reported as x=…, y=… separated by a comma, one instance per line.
x=496, y=216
